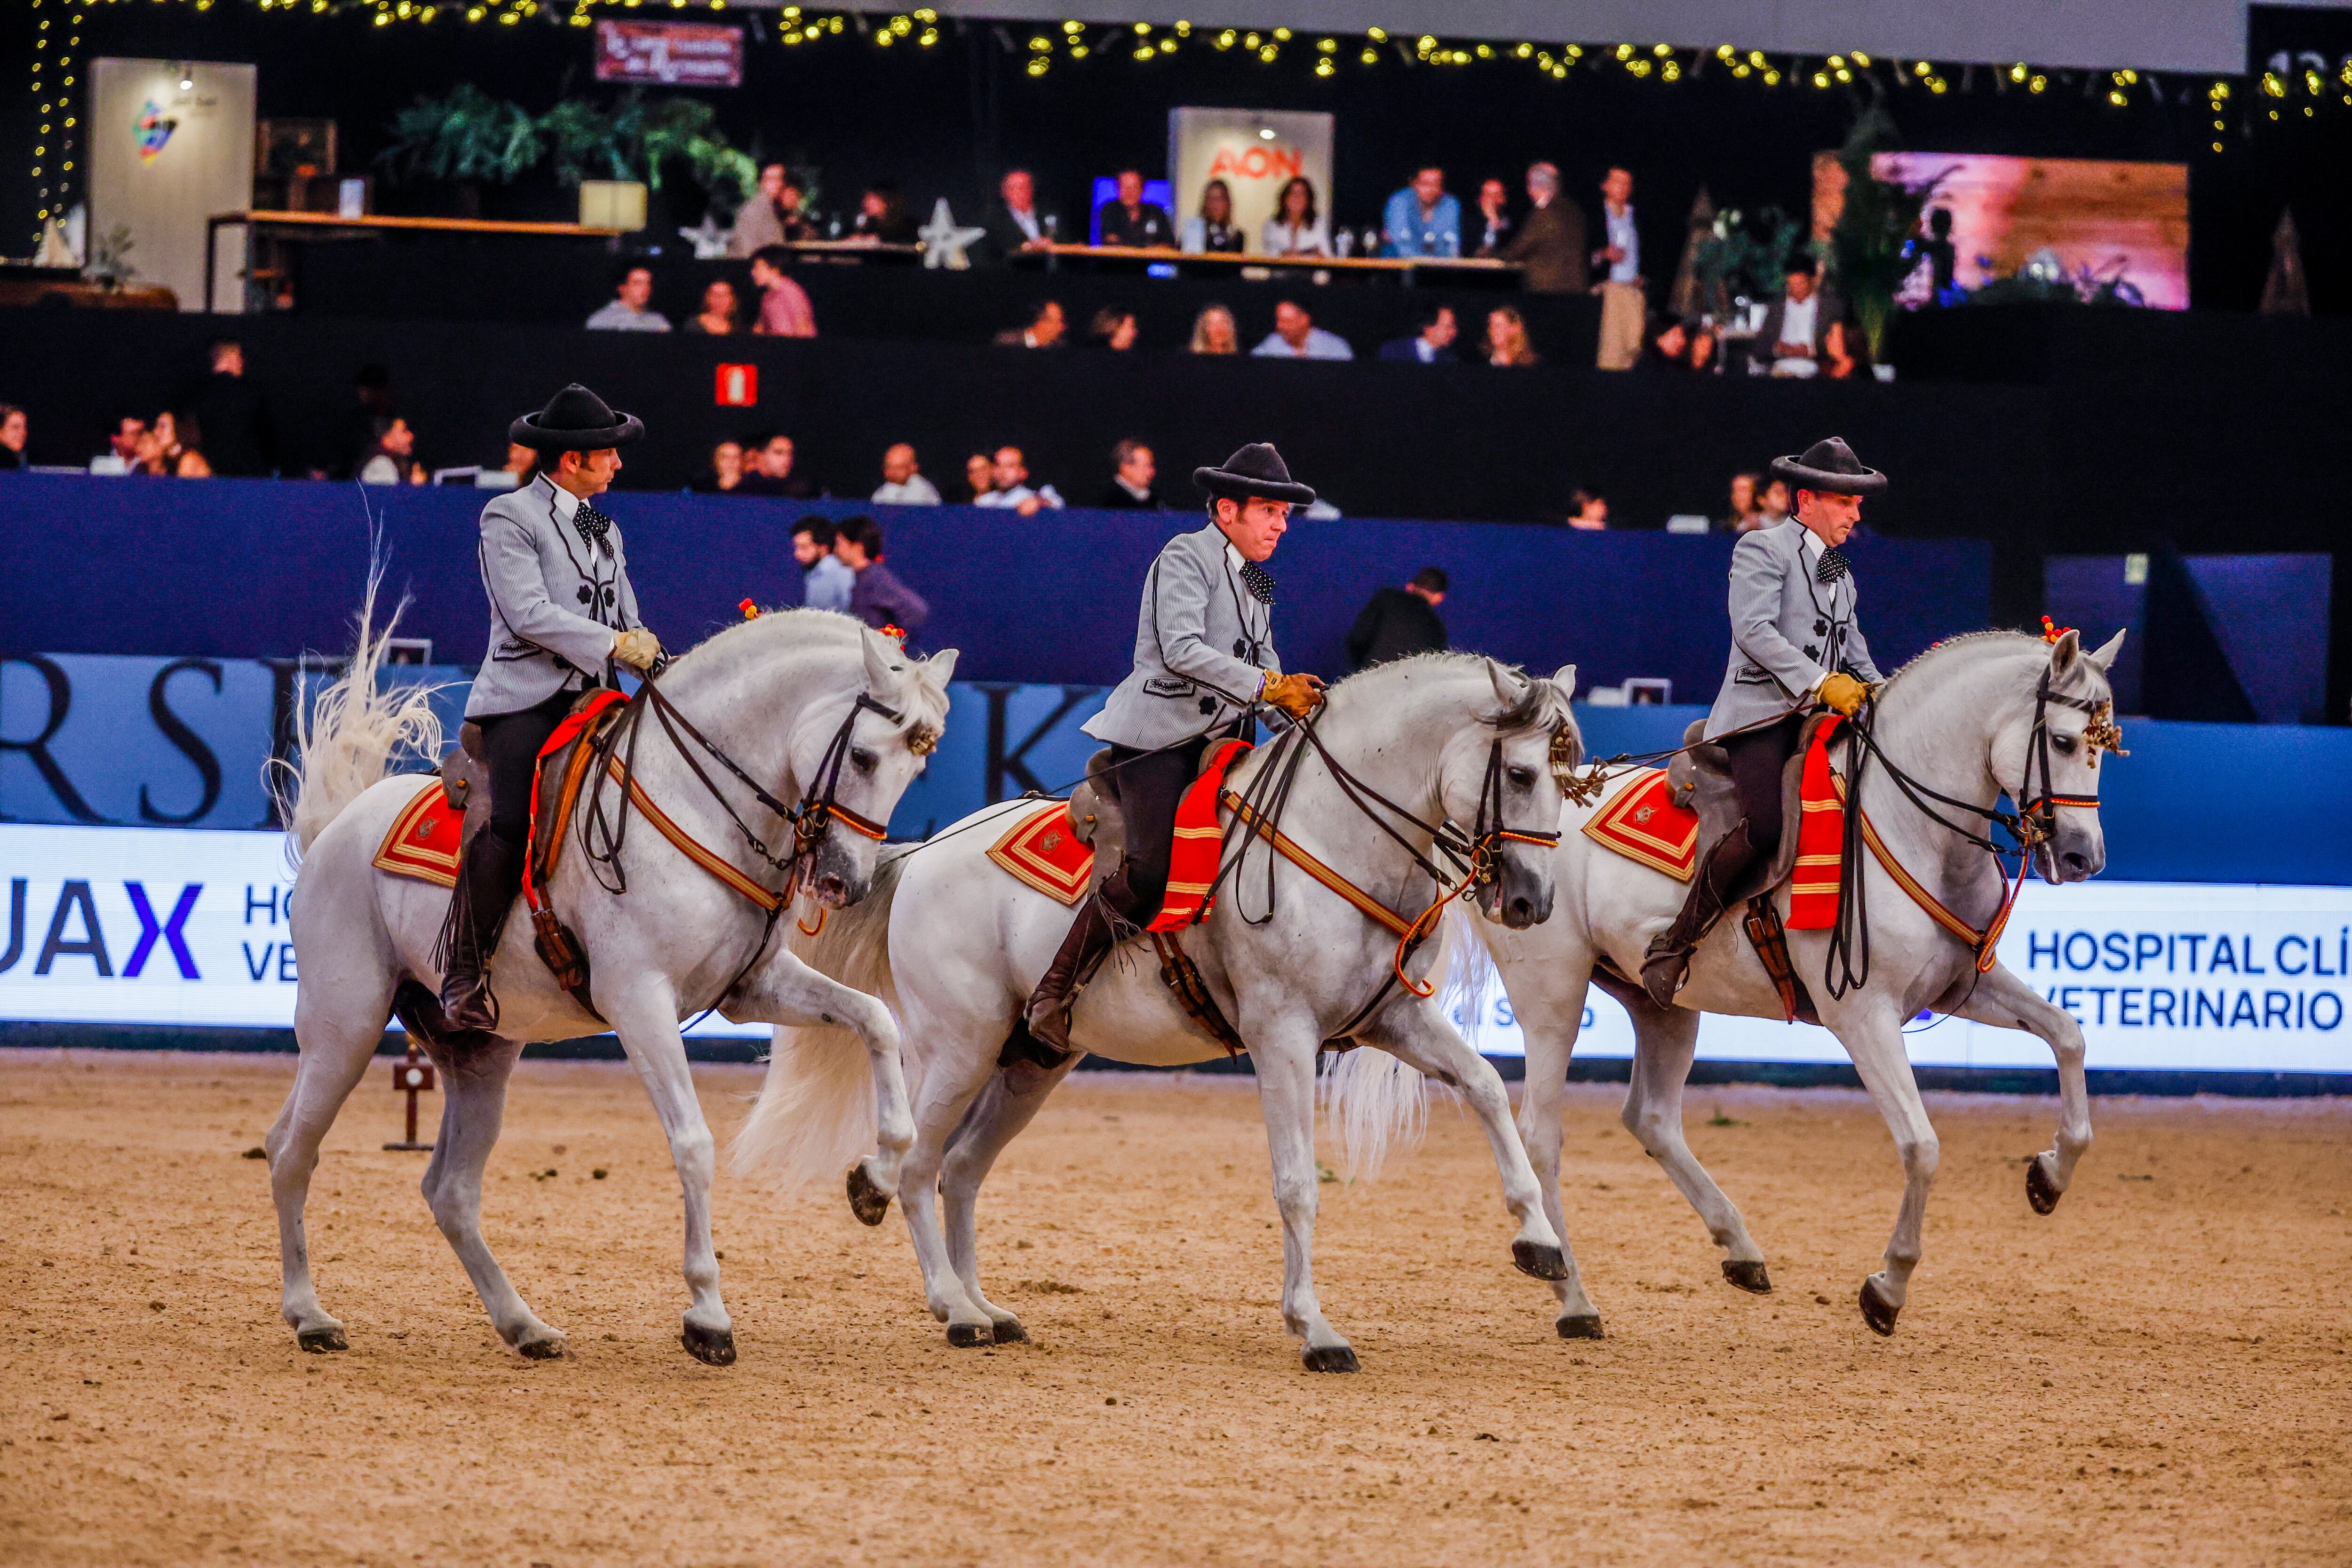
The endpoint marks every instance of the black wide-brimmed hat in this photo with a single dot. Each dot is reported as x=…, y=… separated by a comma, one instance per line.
x=575, y=420
x=1831, y=468
x=1257, y=470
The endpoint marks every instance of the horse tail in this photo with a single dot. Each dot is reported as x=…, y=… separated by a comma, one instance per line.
x=348, y=740
x=1373, y=1102
x=815, y=1111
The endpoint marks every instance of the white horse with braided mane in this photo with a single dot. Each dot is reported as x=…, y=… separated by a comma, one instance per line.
x=956, y=945
x=1967, y=719
x=781, y=696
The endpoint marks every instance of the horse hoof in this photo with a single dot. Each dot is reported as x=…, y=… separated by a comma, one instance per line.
x=964, y=1336
x=1747, y=1273
x=1580, y=1326
x=1330, y=1358
x=320, y=1340
x=712, y=1347
x=1877, y=1310
x=1011, y=1332
x=1539, y=1261
x=547, y=1346
x=866, y=1201
x=2040, y=1190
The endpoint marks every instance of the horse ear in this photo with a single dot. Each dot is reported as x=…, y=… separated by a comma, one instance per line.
x=940, y=668
x=2065, y=652
x=2105, y=657
x=885, y=663
x=1565, y=678
x=1510, y=684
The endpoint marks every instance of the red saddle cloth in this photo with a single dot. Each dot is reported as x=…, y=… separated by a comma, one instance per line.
x=422, y=841
x=1041, y=850
x=1641, y=823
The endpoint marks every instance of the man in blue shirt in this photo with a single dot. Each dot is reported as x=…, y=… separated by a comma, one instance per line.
x=1422, y=219
x=826, y=579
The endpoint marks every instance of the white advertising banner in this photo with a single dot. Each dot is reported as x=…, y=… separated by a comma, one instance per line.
x=1255, y=153
x=170, y=146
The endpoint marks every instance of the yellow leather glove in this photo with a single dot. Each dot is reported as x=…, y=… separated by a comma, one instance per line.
x=636, y=647
x=1844, y=693
x=1296, y=695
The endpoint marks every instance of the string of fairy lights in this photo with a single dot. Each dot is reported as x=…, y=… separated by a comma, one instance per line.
x=2243, y=104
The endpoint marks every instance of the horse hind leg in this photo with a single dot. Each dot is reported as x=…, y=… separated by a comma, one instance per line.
x=1665, y=1042
x=473, y=1110
x=959, y=1065
x=1549, y=1002
x=2000, y=998
x=337, y=1036
x=1011, y=1099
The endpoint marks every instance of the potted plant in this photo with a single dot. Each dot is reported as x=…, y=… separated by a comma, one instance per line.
x=1869, y=248
x=466, y=139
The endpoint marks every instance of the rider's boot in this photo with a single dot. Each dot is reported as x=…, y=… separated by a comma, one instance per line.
x=1092, y=935
x=488, y=882
x=1668, y=960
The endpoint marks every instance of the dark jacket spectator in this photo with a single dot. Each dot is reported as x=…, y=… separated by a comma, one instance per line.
x=1434, y=344
x=1046, y=329
x=877, y=598
x=1550, y=241
x=1400, y=621
x=1131, y=220
x=13, y=431
x=768, y=471
x=1014, y=222
x=240, y=441
x=1132, y=487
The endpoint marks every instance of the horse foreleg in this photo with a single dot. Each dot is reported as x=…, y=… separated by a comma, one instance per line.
x=1012, y=1096
x=787, y=991
x=644, y=1012
x=1548, y=999
x=473, y=1111
x=1285, y=1061
x=1665, y=1042
x=338, y=1038
x=2002, y=999
x=1873, y=1038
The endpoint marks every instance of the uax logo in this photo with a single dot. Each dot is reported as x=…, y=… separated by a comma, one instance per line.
x=75, y=930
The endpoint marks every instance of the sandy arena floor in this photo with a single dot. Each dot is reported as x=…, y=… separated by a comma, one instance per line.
x=2157, y=1373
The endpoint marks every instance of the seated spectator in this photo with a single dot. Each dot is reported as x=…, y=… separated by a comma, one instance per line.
x=882, y=218
x=1587, y=511
x=1680, y=346
x=760, y=221
x=179, y=448
x=784, y=309
x=826, y=580
x=876, y=597
x=1804, y=331
x=393, y=459
x=1295, y=228
x=1132, y=471
x=1421, y=220
x=1044, y=332
x=979, y=475
x=902, y=480
x=771, y=472
x=1214, y=332
x=1507, y=338
x=239, y=438
x=1012, y=487
x=1129, y=220
x=1747, y=514
x=1112, y=329
x=125, y=432
x=14, y=429
x=716, y=316
x=371, y=401
x=1213, y=231
x=1434, y=344
x=726, y=476
x=1550, y=247
x=1773, y=510
x=1296, y=336
x=1015, y=224
x=1399, y=622
x=628, y=312
x=1494, y=217
x=520, y=464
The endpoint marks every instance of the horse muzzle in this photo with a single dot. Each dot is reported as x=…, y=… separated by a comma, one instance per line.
x=2072, y=855
x=836, y=880
x=1517, y=897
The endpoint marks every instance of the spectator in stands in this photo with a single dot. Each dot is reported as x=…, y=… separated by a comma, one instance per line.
x=178, y=448
x=1213, y=331
x=13, y=431
x=826, y=581
x=1127, y=219
x=1587, y=511
x=784, y=309
x=1213, y=230
x=1549, y=246
x=1507, y=338
x=1295, y=228
x=372, y=389
x=521, y=463
x=1804, y=331
x=979, y=475
x=1011, y=485
x=1747, y=514
x=770, y=471
x=1434, y=344
x=125, y=431
x=716, y=316
x=1399, y=622
x=240, y=441
x=1296, y=336
x=1112, y=329
x=1422, y=219
x=882, y=218
x=1494, y=217
x=772, y=215
x=726, y=476
x=877, y=597
x=1625, y=300
x=393, y=459
x=629, y=310
x=1132, y=472
x=1015, y=224
x=1680, y=346
x=1044, y=332
x=902, y=480
x=1773, y=510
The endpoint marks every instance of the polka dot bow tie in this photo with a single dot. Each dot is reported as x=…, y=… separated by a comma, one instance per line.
x=593, y=525
x=1258, y=581
x=1831, y=566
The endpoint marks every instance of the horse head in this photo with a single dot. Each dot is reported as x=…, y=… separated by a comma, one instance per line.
x=1498, y=777
x=2048, y=748
x=856, y=751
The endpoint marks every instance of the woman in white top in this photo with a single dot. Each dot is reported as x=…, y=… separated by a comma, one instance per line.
x=1295, y=228
x=1213, y=229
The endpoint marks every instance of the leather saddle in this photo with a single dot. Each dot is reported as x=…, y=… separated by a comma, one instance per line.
x=1096, y=818
x=466, y=780
x=1700, y=780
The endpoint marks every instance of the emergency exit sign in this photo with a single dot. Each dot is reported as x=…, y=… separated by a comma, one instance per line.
x=739, y=385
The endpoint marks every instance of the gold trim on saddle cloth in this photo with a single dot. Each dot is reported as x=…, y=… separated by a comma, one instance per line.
x=1031, y=853
x=422, y=841
x=1642, y=823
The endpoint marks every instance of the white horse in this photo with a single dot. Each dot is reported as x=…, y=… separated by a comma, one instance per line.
x=1960, y=719
x=956, y=944
x=784, y=697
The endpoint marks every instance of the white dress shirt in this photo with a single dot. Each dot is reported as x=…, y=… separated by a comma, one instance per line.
x=917, y=491
x=1622, y=236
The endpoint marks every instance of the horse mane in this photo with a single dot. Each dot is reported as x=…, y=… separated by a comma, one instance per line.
x=800, y=625
x=1542, y=704
x=1994, y=640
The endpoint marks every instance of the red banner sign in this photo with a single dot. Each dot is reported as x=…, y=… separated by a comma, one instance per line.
x=674, y=54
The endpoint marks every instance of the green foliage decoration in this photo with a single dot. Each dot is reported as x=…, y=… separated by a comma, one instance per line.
x=467, y=136
x=1868, y=263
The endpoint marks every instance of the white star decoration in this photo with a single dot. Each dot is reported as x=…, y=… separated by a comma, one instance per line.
x=709, y=240
x=944, y=244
